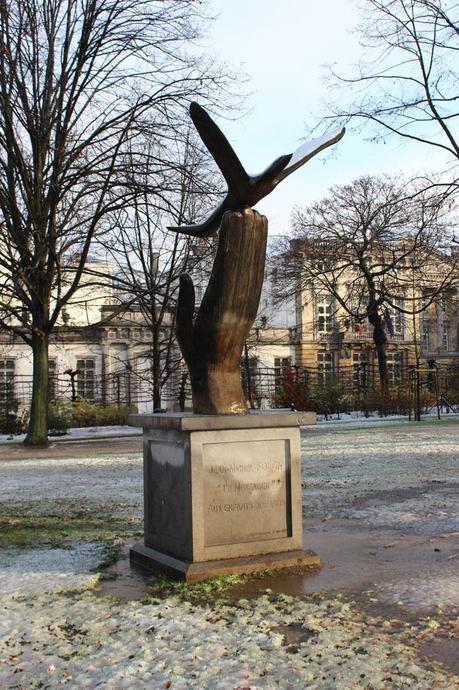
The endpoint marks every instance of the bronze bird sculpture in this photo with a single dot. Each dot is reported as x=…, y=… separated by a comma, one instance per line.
x=245, y=190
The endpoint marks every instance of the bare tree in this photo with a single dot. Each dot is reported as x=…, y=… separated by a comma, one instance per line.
x=406, y=83
x=150, y=259
x=362, y=245
x=80, y=80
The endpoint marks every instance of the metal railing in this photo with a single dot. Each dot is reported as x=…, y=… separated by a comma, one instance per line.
x=261, y=384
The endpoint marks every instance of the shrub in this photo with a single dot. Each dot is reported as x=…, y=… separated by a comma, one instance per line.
x=59, y=418
x=397, y=401
x=294, y=392
x=12, y=421
x=330, y=399
x=88, y=413
x=115, y=414
x=367, y=404
x=85, y=413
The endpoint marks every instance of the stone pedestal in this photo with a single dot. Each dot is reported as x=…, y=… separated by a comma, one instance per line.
x=222, y=493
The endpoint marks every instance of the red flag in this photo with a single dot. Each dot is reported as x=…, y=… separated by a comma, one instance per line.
x=361, y=328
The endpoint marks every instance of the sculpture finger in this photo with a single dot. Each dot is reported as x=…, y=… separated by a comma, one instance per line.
x=231, y=300
x=185, y=314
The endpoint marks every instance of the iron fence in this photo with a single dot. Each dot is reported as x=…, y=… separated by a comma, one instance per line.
x=263, y=386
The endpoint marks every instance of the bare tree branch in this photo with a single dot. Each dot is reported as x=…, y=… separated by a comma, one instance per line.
x=406, y=83
x=363, y=244
x=82, y=83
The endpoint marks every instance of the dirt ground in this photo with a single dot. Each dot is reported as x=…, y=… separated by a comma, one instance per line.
x=72, y=449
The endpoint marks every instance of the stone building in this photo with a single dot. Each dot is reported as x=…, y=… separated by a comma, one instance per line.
x=103, y=352
x=100, y=351
x=96, y=351
x=422, y=325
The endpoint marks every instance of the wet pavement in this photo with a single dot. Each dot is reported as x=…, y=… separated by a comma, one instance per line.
x=395, y=576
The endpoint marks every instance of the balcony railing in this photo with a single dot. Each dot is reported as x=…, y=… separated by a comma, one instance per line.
x=352, y=337
x=328, y=337
x=368, y=335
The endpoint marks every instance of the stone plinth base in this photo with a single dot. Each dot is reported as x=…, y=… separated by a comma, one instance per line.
x=195, y=572
x=220, y=489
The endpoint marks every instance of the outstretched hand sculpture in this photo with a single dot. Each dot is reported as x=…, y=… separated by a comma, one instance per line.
x=212, y=342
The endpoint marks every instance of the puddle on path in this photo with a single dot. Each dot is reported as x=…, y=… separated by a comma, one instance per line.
x=124, y=581
x=356, y=561
x=417, y=572
x=445, y=651
x=389, y=575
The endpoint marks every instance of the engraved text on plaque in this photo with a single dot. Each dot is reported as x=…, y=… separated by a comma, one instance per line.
x=246, y=491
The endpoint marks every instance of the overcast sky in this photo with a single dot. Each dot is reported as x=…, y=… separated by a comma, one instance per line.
x=283, y=45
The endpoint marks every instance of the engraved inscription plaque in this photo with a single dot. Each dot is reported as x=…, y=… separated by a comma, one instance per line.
x=246, y=491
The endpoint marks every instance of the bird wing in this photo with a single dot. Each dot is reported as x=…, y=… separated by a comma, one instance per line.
x=307, y=150
x=221, y=150
x=206, y=228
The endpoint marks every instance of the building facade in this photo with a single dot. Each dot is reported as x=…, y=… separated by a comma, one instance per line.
x=421, y=321
x=101, y=352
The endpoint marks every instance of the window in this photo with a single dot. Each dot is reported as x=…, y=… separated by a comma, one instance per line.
x=425, y=337
x=445, y=337
x=86, y=378
x=444, y=302
x=325, y=368
x=396, y=316
x=425, y=300
x=6, y=380
x=395, y=368
x=281, y=367
x=360, y=369
x=52, y=379
x=324, y=308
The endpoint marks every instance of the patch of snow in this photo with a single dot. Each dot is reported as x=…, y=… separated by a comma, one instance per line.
x=77, y=640
x=94, y=432
x=342, y=472
x=81, y=433
x=37, y=571
x=83, y=481
x=84, y=642
x=356, y=420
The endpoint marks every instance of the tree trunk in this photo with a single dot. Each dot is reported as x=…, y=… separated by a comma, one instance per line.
x=37, y=433
x=380, y=341
x=248, y=377
x=156, y=364
x=212, y=342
